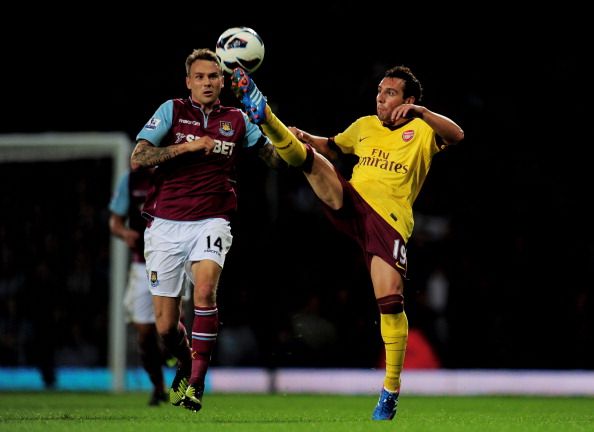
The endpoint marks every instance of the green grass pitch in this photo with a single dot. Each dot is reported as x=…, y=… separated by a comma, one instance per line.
x=68, y=411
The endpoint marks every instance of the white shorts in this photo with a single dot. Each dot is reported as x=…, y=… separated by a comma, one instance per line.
x=170, y=248
x=138, y=300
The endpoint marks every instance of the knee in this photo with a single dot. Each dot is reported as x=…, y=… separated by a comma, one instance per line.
x=391, y=304
x=205, y=295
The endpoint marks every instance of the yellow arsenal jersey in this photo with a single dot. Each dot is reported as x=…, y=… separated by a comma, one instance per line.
x=392, y=167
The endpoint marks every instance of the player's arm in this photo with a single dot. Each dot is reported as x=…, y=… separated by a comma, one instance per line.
x=256, y=141
x=147, y=155
x=323, y=145
x=117, y=226
x=270, y=156
x=445, y=128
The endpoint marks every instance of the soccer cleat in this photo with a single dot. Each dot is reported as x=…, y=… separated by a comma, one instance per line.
x=178, y=387
x=386, y=406
x=157, y=397
x=193, y=398
x=251, y=98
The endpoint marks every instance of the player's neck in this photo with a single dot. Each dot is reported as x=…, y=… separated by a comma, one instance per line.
x=206, y=108
x=397, y=124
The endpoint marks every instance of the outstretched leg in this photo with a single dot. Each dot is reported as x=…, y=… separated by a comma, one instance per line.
x=319, y=172
x=289, y=148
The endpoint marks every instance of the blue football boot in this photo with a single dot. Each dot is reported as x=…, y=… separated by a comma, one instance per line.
x=251, y=98
x=386, y=406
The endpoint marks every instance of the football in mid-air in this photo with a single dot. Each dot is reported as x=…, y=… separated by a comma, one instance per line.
x=240, y=47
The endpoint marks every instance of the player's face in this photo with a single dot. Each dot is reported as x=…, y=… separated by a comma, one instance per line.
x=205, y=82
x=390, y=94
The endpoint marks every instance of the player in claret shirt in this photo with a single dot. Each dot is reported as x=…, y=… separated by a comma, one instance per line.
x=194, y=144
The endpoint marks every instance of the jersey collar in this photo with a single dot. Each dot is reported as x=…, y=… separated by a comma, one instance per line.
x=215, y=107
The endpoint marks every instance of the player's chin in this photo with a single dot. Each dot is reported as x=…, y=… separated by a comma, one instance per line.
x=383, y=117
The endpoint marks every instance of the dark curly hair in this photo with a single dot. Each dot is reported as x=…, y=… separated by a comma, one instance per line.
x=412, y=86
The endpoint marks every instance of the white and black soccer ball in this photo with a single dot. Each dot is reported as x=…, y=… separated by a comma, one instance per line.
x=240, y=47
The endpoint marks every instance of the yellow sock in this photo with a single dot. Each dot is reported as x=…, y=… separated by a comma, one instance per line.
x=288, y=147
x=394, y=329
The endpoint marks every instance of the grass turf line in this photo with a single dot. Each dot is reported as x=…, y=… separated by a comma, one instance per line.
x=69, y=411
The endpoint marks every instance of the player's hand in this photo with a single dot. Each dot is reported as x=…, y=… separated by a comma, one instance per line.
x=407, y=111
x=130, y=237
x=301, y=135
x=204, y=143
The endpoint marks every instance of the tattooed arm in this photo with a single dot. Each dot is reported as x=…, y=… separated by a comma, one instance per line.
x=269, y=155
x=147, y=155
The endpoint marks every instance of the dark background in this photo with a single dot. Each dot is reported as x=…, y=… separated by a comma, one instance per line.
x=517, y=248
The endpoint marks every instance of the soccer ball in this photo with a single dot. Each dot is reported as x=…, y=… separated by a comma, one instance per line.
x=240, y=47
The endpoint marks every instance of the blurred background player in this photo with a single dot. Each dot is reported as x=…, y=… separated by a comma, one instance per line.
x=195, y=144
x=395, y=148
x=127, y=223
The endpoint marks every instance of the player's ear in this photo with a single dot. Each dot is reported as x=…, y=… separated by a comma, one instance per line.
x=410, y=100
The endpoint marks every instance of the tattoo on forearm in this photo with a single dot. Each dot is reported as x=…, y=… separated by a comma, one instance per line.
x=269, y=155
x=147, y=155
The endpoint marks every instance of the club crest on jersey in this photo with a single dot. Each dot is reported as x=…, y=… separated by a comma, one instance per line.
x=407, y=135
x=225, y=128
x=154, y=279
x=152, y=123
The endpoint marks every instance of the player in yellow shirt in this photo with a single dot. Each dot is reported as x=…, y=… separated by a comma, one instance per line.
x=395, y=148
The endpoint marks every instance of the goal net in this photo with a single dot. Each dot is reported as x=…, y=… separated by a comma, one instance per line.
x=62, y=275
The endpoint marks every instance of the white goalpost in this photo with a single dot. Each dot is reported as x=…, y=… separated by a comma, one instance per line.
x=56, y=146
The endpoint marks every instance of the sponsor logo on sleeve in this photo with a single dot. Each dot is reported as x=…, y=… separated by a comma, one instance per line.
x=152, y=123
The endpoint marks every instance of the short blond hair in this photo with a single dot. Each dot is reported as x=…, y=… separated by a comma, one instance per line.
x=201, y=54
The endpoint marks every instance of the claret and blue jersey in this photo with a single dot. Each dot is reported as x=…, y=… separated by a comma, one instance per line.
x=196, y=186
